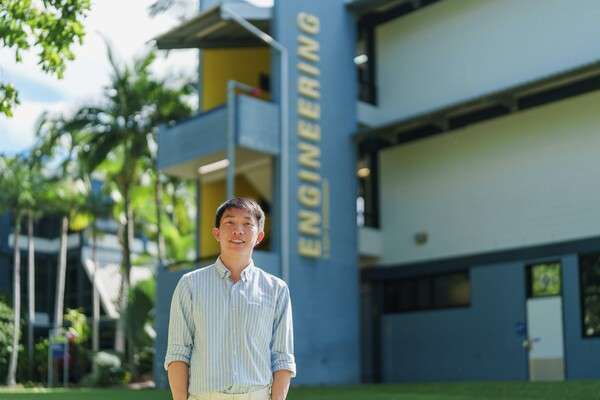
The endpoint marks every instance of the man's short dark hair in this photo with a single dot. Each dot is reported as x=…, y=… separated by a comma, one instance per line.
x=242, y=203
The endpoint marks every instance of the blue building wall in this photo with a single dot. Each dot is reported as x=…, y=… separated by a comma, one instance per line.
x=167, y=282
x=476, y=343
x=582, y=354
x=324, y=288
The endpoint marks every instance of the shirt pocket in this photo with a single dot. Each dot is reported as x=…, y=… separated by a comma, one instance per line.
x=259, y=317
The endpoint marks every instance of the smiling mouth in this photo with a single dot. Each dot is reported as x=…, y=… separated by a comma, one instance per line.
x=237, y=241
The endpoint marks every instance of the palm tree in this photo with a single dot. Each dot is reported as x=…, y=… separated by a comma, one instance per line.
x=65, y=192
x=15, y=196
x=38, y=188
x=116, y=141
x=95, y=206
x=65, y=196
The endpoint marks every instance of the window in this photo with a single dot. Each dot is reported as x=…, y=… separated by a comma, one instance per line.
x=367, y=173
x=364, y=60
x=589, y=277
x=367, y=211
x=428, y=292
x=544, y=280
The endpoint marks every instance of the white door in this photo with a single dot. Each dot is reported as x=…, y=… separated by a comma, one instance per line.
x=546, y=347
x=545, y=325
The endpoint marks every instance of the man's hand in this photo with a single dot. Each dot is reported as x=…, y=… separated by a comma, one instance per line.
x=281, y=384
x=178, y=374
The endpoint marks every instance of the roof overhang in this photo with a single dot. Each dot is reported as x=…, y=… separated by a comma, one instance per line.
x=360, y=7
x=215, y=28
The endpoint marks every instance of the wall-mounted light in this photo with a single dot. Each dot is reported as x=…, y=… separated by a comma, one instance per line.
x=363, y=172
x=361, y=59
x=212, y=167
x=421, y=238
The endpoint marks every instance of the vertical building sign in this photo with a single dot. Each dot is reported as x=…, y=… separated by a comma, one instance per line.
x=313, y=193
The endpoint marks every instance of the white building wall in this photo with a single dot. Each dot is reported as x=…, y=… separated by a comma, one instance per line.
x=526, y=179
x=458, y=50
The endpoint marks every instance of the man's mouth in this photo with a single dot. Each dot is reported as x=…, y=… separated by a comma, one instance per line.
x=237, y=241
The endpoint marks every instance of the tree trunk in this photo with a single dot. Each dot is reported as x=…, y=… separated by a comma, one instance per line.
x=11, y=378
x=61, y=274
x=160, y=241
x=127, y=238
x=129, y=235
x=30, y=292
x=96, y=297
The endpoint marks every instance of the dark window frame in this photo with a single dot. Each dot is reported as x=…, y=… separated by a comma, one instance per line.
x=367, y=80
x=581, y=293
x=415, y=281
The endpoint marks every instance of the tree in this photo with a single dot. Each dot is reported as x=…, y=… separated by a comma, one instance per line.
x=114, y=139
x=65, y=192
x=95, y=206
x=6, y=331
x=52, y=26
x=66, y=196
x=15, y=196
x=38, y=189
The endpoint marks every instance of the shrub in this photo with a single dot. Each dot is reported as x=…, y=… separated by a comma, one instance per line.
x=106, y=371
x=6, y=334
x=144, y=359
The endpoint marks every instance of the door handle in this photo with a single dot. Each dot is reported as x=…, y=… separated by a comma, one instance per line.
x=529, y=342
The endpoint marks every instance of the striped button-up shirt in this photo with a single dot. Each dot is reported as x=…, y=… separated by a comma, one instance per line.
x=233, y=336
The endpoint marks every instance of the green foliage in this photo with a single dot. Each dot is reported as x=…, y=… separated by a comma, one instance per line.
x=140, y=314
x=144, y=360
x=51, y=26
x=546, y=279
x=106, y=371
x=40, y=358
x=8, y=98
x=79, y=326
x=6, y=335
x=16, y=184
x=142, y=298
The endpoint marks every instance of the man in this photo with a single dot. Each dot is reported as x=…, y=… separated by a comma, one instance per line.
x=230, y=328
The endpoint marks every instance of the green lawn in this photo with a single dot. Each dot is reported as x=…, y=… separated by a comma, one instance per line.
x=573, y=390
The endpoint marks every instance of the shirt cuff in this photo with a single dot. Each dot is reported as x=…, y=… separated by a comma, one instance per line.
x=287, y=365
x=180, y=353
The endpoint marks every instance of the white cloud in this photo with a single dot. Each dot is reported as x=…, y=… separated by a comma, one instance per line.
x=18, y=133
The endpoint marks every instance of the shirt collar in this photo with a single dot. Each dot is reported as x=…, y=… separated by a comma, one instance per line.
x=225, y=273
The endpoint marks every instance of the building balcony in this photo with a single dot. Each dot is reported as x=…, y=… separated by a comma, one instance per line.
x=203, y=139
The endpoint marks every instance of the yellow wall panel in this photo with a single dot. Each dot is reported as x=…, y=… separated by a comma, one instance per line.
x=222, y=65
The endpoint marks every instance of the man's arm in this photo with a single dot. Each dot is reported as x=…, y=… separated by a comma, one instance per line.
x=283, y=363
x=180, y=341
x=178, y=374
x=281, y=384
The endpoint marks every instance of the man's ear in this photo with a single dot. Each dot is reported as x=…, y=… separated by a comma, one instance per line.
x=216, y=233
x=261, y=236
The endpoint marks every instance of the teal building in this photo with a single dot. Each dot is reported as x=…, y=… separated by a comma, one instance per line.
x=428, y=172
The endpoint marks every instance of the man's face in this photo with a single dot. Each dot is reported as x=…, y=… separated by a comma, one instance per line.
x=238, y=232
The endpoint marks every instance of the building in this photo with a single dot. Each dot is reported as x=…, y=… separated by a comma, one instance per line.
x=79, y=275
x=442, y=153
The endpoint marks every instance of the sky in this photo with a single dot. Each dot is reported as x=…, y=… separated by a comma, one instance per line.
x=127, y=26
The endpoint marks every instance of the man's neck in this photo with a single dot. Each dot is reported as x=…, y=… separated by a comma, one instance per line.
x=235, y=264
